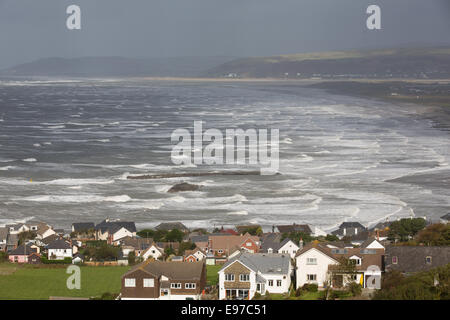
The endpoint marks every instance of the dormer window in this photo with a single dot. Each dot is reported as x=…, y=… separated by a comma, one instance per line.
x=428, y=260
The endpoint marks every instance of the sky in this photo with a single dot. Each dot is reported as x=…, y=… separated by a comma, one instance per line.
x=33, y=29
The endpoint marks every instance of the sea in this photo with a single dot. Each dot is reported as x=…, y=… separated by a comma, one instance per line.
x=68, y=145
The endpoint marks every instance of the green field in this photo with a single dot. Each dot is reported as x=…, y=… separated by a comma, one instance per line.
x=212, y=276
x=40, y=283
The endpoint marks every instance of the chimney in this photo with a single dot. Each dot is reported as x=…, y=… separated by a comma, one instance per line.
x=300, y=244
x=378, y=235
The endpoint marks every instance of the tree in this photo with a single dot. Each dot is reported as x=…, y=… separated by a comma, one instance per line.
x=175, y=235
x=131, y=258
x=404, y=229
x=169, y=251
x=331, y=237
x=186, y=246
x=146, y=233
x=435, y=235
x=296, y=236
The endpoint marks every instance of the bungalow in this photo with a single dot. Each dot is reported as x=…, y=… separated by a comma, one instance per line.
x=153, y=252
x=320, y=263
x=138, y=245
x=34, y=258
x=113, y=231
x=201, y=241
x=411, y=259
x=194, y=255
x=445, y=218
x=304, y=228
x=44, y=231
x=287, y=246
x=21, y=254
x=59, y=250
x=349, y=229
x=220, y=247
x=82, y=227
x=78, y=258
x=250, y=273
x=157, y=280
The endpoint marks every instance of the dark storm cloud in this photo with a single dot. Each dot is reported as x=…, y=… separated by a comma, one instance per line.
x=31, y=29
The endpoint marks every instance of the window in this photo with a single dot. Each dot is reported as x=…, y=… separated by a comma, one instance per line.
x=278, y=283
x=394, y=260
x=248, y=244
x=368, y=251
x=270, y=283
x=339, y=251
x=244, y=277
x=311, y=277
x=311, y=261
x=190, y=285
x=149, y=283
x=428, y=260
x=356, y=262
x=175, y=286
x=229, y=277
x=130, y=283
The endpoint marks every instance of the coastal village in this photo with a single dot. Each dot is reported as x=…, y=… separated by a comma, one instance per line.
x=172, y=262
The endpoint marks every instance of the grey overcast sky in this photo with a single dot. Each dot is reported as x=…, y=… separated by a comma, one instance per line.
x=31, y=29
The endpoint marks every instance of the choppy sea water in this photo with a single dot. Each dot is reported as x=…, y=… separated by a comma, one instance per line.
x=66, y=148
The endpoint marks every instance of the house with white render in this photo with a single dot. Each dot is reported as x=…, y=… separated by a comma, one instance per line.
x=250, y=273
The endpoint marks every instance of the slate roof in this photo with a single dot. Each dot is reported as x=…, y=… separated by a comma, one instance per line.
x=446, y=217
x=114, y=226
x=12, y=239
x=172, y=270
x=294, y=228
x=136, y=243
x=202, y=238
x=266, y=263
x=59, y=244
x=351, y=225
x=23, y=250
x=413, y=258
x=273, y=243
x=82, y=226
x=50, y=239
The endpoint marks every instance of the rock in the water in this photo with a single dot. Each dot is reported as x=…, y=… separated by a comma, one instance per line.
x=184, y=187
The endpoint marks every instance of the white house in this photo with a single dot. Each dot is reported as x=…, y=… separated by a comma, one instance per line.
x=113, y=231
x=314, y=260
x=251, y=273
x=59, y=250
x=152, y=252
x=194, y=255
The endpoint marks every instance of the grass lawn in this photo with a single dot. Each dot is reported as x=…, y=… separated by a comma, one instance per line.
x=40, y=283
x=212, y=276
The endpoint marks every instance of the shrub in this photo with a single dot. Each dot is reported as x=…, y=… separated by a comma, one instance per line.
x=354, y=288
x=45, y=260
x=3, y=256
x=310, y=287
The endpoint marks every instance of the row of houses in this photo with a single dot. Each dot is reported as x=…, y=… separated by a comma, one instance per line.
x=247, y=274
